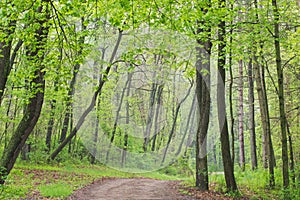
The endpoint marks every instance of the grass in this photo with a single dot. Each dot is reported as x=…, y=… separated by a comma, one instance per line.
x=60, y=190
x=252, y=184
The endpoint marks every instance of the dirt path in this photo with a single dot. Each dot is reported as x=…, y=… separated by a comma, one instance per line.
x=121, y=189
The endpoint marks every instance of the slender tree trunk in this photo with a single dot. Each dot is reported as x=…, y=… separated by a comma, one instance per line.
x=225, y=146
x=157, y=114
x=97, y=120
x=5, y=51
x=149, y=122
x=190, y=140
x=241, y=117
x=268, y=162
x=231, y=94
x=283, y=122
x=127, y=119
x=71, y=89
x=268, y=155
x=291, y=148
x=7, y=123
x=189, y=124
x=92, y=104
x=113, y=134
x=252, y=117
x=50, y=125
x=96, y=134
x=33, y=108
x=292, y=162
x=172, y=132
x=263, y=113
x=203, y=101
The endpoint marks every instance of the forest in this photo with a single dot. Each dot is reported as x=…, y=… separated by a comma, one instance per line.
x=201, y=96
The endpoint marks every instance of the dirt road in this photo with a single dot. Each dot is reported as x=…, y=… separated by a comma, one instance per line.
x=130, y=189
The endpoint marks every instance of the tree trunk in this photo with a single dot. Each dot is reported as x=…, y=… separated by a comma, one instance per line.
x=33, y=109
x=231, y=95
x=264, y=114
x=203, y=102
x=50, y=125
x=157, y=114
x=127, y=119
x=5, y=52
x=112, y=138
x=96, y=135
x=171, y=134
x=225, y=146
x=151, y=111
x=292, y=162
x=252, y=117
x=189, y=124
x=264, y=110
x=71, y=89
x=241, y=117
x=283, y=122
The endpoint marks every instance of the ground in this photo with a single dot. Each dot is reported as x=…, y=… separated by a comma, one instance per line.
x=132, y=188
x=32, y=182
x=141, y=188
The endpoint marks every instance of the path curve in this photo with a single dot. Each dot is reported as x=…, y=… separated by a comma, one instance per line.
x=130, y=189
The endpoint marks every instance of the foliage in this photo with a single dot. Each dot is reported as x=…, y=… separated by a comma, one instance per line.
x=157, y=48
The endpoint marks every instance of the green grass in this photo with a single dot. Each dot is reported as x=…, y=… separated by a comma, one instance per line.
x=60, y=190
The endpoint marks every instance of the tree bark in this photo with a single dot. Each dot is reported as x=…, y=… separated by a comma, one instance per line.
x=268, y=160
x=50, y=125
x=252, y=117
x=231, y=95
x=225, y=146
x=203, y=102
x=157, y=114
x=264, y=114
x=292, y=162
x=283, y=122
x=151, y=110
x=241, y=117
x=127, y=119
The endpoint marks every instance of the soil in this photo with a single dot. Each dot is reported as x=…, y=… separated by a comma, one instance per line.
x=137, y=188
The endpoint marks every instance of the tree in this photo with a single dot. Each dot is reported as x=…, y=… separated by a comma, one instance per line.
x=203, y=99
x=252, y=117
x=225, y=147
x=258, y=68
x=35, y=54
x=280, y=81
x=241, y=116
